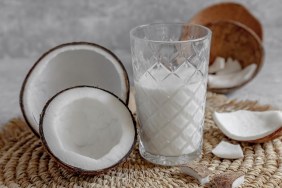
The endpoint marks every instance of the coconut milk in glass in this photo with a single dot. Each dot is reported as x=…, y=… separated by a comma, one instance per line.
x=170, y=63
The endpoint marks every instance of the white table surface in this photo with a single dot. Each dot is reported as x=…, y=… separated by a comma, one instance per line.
x=29, y=28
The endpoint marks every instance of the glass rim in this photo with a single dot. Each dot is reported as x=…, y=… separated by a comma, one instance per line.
x=133, y=36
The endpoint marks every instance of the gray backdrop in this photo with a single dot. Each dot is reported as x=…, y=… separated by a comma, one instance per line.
x=30, y=27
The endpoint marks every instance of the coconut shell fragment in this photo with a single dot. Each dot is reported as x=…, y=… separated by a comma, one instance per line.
x=198, y=171
x=250, y=126
x=228, y=180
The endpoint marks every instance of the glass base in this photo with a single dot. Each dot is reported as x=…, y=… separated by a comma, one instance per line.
x=170, y=161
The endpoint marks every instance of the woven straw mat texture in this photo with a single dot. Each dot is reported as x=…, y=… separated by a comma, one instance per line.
x=24, y=163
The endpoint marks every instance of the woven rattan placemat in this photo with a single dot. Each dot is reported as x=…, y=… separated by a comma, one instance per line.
x=24, y=163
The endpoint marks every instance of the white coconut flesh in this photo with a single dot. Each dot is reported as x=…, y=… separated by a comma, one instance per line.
x=244, y=125
x=69, y=66
x=87, y=128
x=227, y=150
x=239, y=181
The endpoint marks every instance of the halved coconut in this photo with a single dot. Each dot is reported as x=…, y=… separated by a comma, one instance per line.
x=244, y=125
x=87, y=129
x=69, y=65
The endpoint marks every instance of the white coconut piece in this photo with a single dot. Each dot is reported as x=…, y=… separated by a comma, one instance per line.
x=87, y=129
x=198, y=171
x=217, y=65
x=69, y=65
x=246, y=125
x=233, y=79
x=231, y=66
x=227, y=150
x=238, y=182
x=229, y=180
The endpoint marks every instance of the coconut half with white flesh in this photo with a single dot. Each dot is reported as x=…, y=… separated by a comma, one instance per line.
x=87, y=129
x=69, y=65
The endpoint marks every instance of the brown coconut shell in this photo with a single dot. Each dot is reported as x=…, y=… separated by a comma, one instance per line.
x=235, y=40
x=201, y=170
x=268, y=138
x=228, y=11
x=225, y=180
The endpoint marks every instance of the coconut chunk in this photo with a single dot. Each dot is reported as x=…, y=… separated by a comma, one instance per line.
x=87, y=129
x=232, y=79
x=198, y=171
x=229, y=180
x=217, y=65
x=250, y=126
x=231, y=66
x=227, y=150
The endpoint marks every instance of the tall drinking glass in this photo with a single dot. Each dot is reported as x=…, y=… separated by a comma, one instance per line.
x=170, y=66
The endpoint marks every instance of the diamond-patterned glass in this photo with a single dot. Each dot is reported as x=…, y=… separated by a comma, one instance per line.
x=170, y=76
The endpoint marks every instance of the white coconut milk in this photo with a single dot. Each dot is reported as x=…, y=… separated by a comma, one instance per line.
x=170, y=111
